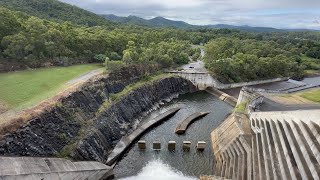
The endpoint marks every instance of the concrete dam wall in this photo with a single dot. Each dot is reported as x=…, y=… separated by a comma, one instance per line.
x=33, y=168
x=205, y=80
x=79, y=127
x=267, y=145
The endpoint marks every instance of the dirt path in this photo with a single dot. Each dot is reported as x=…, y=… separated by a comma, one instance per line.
x=84, y=77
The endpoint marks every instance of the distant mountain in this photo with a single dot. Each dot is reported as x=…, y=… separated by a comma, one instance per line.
x=163, y=22
x=155, y=22
x=56, y=11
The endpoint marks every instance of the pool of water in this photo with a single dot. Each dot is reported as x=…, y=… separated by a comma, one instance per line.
x=192, y=163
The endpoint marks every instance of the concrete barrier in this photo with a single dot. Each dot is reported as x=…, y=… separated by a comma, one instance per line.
x=142, y=144
x=15, y=168
x=201, y=145
x=156, y=145
x=202, y=80
x=172, y=146
x=186, y=145
x=125, y=142
x=222, y=96
x=183, y=125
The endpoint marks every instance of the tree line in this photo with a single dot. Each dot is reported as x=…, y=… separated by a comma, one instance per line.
x=236, y=60
x=231, y=55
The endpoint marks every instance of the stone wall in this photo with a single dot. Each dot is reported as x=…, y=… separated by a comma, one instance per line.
x=75, y=123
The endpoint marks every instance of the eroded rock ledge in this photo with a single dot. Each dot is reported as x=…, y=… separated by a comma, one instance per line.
x=74, y=126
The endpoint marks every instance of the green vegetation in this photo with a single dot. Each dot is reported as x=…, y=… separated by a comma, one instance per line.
x=154, y=22
x=241, y=108
x=312, y=95
x=237, y=60
x=147, y=80
x=34, y=42
x=50, y=32
x=56, y=11
x=29, y=87
x=312, y=65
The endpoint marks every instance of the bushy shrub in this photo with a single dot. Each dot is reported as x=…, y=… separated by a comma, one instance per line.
x=115, y=65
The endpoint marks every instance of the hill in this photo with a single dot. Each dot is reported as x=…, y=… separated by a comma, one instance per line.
x=56, y=11
x=163, y=22
x=154, y=22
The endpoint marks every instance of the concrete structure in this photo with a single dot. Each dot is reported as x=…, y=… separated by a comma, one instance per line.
x=268, y=145
x=172, y=145
x=211, y=178
x=186, y=145
x=183, y=125
x=142, y=144
x=156, y=145
x=31, y=168
x=201, y=145
x=203, y=80
x=125, y=142
x=222, y=96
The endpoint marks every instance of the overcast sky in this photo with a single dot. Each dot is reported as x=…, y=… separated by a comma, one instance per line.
x=271, y=13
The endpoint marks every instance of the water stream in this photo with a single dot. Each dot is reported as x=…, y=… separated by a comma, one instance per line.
x=139, y=164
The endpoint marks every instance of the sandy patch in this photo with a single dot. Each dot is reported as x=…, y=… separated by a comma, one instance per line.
x=3, y=107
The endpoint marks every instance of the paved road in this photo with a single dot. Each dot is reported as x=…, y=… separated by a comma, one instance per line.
x=195, y=67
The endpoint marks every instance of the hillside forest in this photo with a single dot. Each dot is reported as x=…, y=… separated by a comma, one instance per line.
x=35, y=40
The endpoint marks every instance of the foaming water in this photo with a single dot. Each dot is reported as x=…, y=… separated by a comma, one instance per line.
x=192, y=163
x=157, y=170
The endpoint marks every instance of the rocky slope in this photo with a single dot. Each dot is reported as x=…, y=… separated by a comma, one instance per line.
x=75, y=127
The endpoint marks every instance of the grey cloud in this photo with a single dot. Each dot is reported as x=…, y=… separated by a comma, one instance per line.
x=273, y=13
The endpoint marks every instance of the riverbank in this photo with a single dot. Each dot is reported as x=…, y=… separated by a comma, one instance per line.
x=75, y=127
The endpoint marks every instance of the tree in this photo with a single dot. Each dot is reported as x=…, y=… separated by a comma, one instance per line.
x=127, y=57
x=115, y=56
x=100, y=58
x=106, y=62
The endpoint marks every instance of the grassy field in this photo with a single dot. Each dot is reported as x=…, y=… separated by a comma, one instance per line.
x=312, y=95
x=25, y=88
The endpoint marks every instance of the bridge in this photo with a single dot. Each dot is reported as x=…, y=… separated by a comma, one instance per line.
x=202, y=80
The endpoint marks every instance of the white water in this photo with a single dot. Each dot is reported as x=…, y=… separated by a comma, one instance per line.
x=157, y=170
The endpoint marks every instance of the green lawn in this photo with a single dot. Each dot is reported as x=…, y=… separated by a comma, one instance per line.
x=312, y=95
x=25, y=88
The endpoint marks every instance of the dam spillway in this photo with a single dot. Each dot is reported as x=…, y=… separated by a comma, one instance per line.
x=192, y=163
x=125, y=142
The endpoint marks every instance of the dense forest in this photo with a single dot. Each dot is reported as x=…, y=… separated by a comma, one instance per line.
x=234, y=59
x=56, y=11
x=35, y=41
x=38, y=33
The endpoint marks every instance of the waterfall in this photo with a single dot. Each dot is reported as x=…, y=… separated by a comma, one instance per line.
x=157, y=170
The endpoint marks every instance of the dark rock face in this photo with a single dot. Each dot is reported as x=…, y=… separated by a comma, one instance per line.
x=120, y=117
x=49, y=133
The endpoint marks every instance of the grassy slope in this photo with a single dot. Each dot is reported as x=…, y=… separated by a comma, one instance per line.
x=145, y=81
x=25, y=88
x=312, y=95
